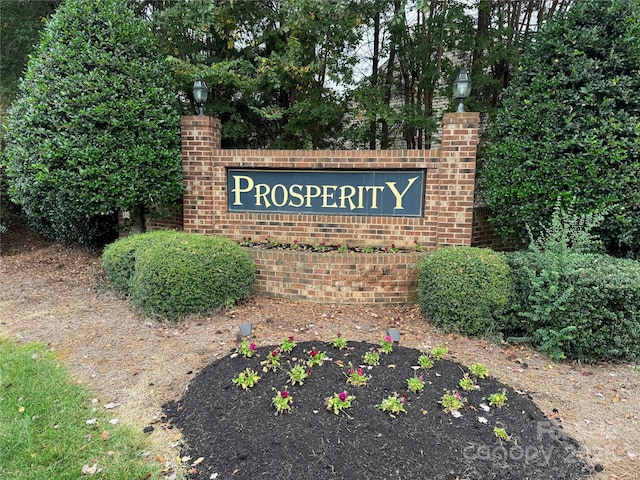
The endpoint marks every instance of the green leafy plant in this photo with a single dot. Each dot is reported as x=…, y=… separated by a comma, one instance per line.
x=465, y=289
x=287, y=345
x=372, y=357
x=342, y=248
x=282, y=400
x=319, y=247
x=246, y=242
x=357, y=377
x=479, y=370
x=501, y=433
x=316, y=358
x=247, y=379
x=498, y=399
x=247, y=349
x=339, y=342
x=466, y=383
x=452, y=401
x=425, y=361
x=386, y=345
x=368, y=249
x=417, y=245
x=393, y=404
x=298, y=374
x=176, y=274
x=272, y=362
x=339, y=402
x=92, y=149
x=416, y=384
x=391, y=249
x=439, y=352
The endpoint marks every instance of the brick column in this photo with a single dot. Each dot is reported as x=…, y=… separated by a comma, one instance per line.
x=199, y=136
x=457, y=178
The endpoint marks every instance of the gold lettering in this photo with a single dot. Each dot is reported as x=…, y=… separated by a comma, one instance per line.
x=397, y=194
x=374, y=195
x=237, y=188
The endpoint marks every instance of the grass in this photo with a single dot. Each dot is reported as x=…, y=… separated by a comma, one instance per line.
x=44, y=431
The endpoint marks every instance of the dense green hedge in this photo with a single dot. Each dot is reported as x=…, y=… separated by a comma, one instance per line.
x=582, y=306
x=465, y=289
x=175, y=274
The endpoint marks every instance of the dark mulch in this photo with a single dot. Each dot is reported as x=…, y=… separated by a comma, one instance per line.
x=240, y=436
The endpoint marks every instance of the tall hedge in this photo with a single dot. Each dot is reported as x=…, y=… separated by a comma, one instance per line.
x=95, y=127
x=570, y=127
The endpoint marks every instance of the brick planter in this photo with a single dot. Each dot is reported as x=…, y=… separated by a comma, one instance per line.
x=331, y=277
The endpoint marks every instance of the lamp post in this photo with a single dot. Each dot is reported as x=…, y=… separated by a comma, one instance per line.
x=200, y=94
x=461, y=88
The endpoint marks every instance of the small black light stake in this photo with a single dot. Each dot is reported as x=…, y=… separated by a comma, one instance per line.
x=200, y=94
x=394, y=333
x=245, y=329
x=461, y=88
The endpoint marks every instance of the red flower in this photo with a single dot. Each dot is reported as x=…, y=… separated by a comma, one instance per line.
x=313, y=353
x=291, y=338
x=253, y=347
x=284, y=394
x=343, y=396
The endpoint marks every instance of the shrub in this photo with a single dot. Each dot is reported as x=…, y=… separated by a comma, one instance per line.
x=465, y=289
x=570, y=126
x=95, y=126
x=180, y=274
x=119, y=257
x=585, y=306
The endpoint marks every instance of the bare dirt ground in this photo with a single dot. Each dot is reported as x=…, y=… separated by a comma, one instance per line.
x=57, y=295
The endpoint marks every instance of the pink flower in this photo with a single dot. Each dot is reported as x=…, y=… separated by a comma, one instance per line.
x=253, y=347
x=313, y=353
x=403, y=398
x=284, y=394
x=275, y=353
x=387, y=338
x=360, y=372
x=457, y=395
x=291, y=338
x=343, y=396
x=351, y=371
x=295, y=242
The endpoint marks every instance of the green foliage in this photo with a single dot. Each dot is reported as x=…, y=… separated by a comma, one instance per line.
x=179, y=274
x=119, y=257
x=570, y=127
x=48, y=420
x=580, y=306
x=465, y=289
x=94, y=129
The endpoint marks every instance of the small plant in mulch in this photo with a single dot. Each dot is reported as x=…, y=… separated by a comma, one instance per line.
x=466, y=383
x=425, y=361
x=273, y=361
x=391, y=249
x=478, y=370
x=247, y=349
x=298, y=374
x=282, y=400
x=438, y=353
x=339, y=342
x=287, y=345
x=416, y=384
x=501, y=433
x=452, y=401
x=372, y=357
x=247, y=379
x=339, y=402
x=498, y=399
x=393, y=404
x=386, y=345
x=316, y=358
x=342, y=248
x=357, y=377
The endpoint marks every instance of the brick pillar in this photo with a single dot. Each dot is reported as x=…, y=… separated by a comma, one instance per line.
x=199, y=136
x=457, y=178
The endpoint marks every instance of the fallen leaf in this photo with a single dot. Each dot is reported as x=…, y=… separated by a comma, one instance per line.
x=91, y=470
x=104, y=435
x=199, y=460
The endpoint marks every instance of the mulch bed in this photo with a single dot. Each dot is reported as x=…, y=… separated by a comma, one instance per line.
x=231, y=433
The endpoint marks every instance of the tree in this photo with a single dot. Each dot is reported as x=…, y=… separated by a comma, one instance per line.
x=95, y=128
x=22, y=20
x=570, y=127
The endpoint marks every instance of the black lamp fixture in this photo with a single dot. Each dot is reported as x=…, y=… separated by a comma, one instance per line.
x=200, y=94
x=462, y=88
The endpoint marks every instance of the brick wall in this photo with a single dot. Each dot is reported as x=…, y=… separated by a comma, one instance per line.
x=448, y=200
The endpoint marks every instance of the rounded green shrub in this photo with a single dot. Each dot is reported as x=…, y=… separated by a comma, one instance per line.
x=577, y=305
x=466, y=290
x=181, y=274
x=119, y=257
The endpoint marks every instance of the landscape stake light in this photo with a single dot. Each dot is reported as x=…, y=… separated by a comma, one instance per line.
x=461, y=88
x=245, y=329
x=200, y=94
x=394, y=333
